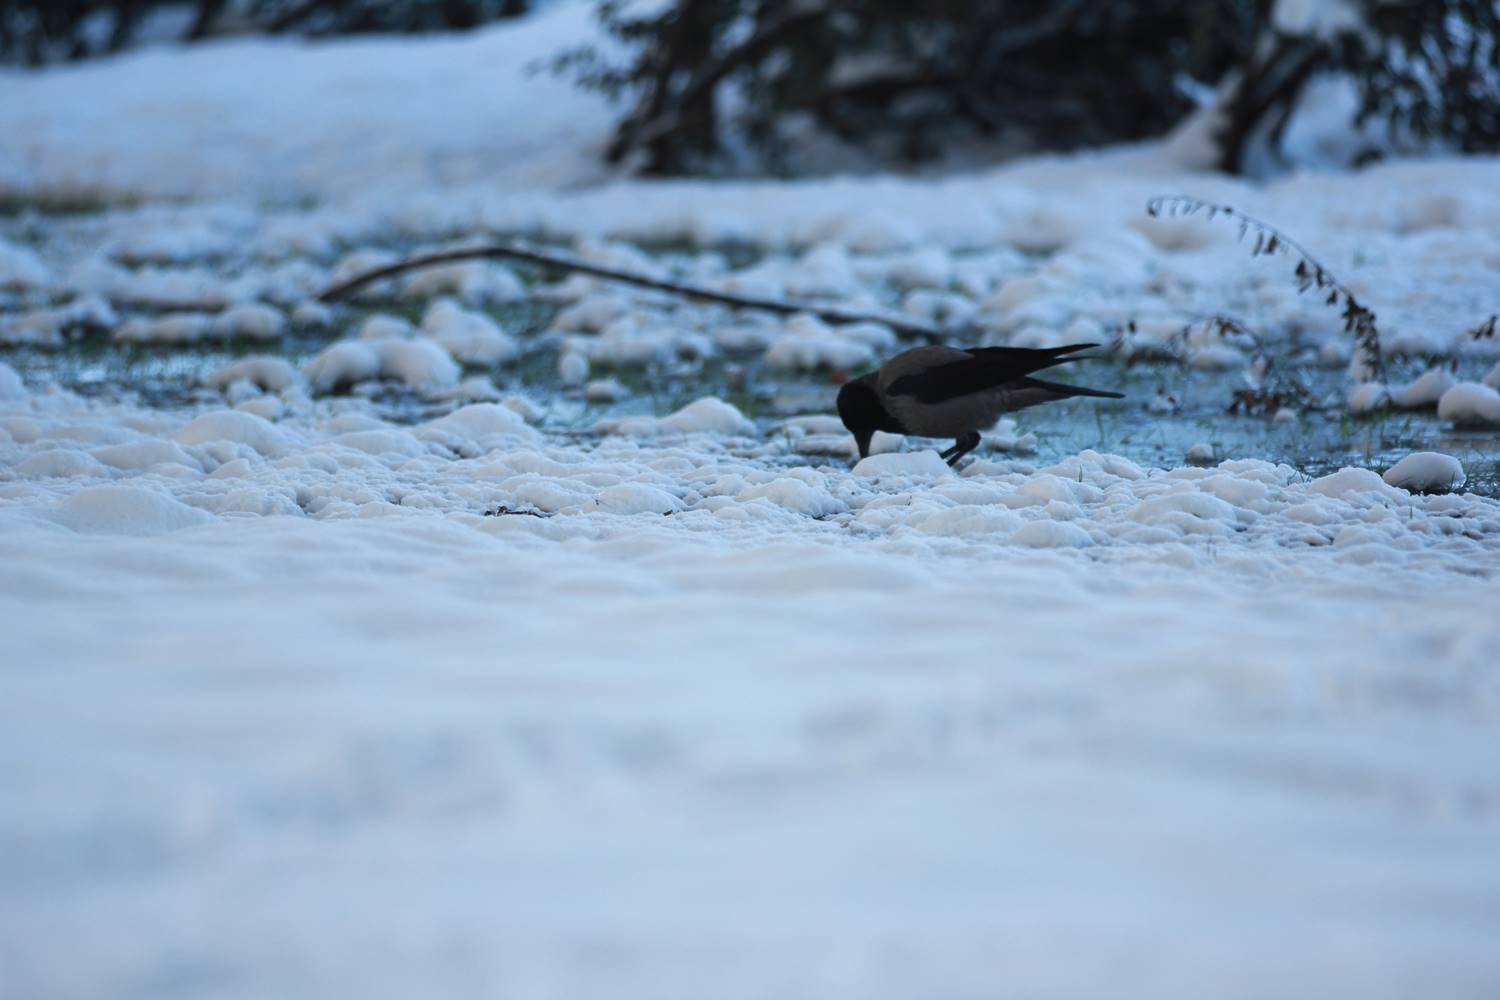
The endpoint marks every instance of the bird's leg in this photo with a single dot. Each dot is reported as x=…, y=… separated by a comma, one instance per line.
x=961, y=447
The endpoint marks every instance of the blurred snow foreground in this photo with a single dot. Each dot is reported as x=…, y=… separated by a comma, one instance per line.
x=295, y=701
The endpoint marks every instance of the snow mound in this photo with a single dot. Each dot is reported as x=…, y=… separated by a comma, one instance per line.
x=267, y=372
x=252, y=320
x=636, y=498
x=1201, y=453
x=1367, y=397
x=1051, y=535
x=1426, y=472
x=421, y=364
x=471, y=281
x=143, y=455
x=63, y=463
x=605, y=390
x=480, y=426
x=21, y=269
x=573, y=367
x=177, y=328
x=795, y=495
x=341, y=365
x=1351, y=484
x=808, y=343
x=237, y=427
x=1425, y=390
x=1470, y=404
x=11, y=386
x=709, y=415
x=968, y=520
x=126, y=510
x=471, y=337
x=914, y=464
x=1188, y=512
x=383, y=326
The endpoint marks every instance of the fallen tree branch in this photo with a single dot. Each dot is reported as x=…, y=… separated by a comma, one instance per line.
x=828, y=314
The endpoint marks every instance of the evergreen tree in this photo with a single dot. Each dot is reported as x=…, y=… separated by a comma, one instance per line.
x=904, y=81
x=35, y=32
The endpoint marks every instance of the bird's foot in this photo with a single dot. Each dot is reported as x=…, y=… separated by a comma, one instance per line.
x=961, y=447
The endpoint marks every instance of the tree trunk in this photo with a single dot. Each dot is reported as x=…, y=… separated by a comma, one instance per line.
x=460, y=15
x=208, y=13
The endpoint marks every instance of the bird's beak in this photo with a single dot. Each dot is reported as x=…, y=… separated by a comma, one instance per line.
x=863, y=440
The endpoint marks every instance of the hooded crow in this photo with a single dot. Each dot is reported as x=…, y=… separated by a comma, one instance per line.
x=947, y=392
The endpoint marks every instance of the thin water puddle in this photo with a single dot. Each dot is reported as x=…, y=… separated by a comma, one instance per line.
x=1317, y=441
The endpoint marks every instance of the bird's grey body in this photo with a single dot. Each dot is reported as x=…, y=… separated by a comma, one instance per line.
x=949, y=392
x=953, y=417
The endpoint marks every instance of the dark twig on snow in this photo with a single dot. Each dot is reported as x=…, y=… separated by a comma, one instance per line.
x=1359, y=322
x=828, y=314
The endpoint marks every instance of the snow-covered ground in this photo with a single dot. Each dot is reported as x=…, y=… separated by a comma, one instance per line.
x=308, y=694
x=285, y=119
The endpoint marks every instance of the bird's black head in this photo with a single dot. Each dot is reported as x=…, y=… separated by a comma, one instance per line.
x=861, y=411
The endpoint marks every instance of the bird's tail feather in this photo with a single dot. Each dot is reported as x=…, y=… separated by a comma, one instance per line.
x=1064, y=390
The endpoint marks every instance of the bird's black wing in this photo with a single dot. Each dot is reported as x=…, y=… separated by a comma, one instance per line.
x=984, y=368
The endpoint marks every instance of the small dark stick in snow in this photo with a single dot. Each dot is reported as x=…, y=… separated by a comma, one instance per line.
x=948, y=392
